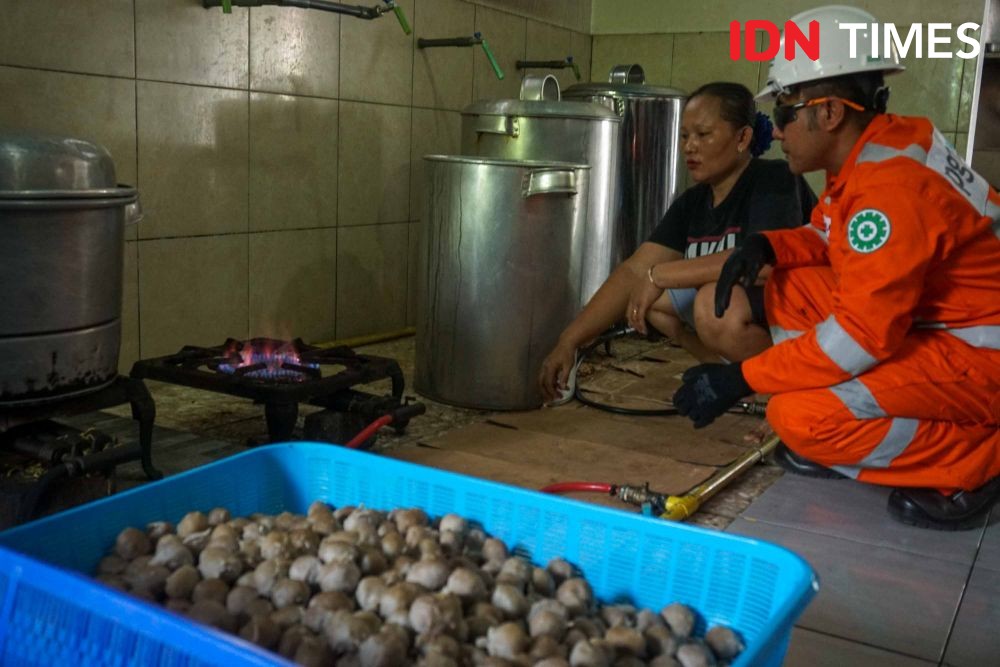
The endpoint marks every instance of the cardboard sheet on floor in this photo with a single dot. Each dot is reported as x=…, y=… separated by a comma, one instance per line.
x=656, y=436
x=569, y=459
x=669, y=353
x=637, y=384
x=496, y=470
x=640, y=385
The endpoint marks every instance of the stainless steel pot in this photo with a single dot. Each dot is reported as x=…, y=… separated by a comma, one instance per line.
x=499, y=276
x=575, y=132
x=648, y=166
x=62, y=218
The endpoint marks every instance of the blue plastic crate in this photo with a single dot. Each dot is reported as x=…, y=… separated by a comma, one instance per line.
x=53, y=616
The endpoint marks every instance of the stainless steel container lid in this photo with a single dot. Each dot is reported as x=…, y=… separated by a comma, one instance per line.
x=38, y=166
x=540, y=109
x=620, y=90
x=503, y=162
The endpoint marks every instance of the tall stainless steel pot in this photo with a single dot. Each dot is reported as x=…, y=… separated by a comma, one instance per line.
x=499, y=276
x=62, y=218
x=649, y=175
x=577, y=132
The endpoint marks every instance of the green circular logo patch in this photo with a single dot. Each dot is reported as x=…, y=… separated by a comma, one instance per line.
x=868, y=230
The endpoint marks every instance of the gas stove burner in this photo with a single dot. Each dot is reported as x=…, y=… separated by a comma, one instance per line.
x=282, y=374
x=267, y=359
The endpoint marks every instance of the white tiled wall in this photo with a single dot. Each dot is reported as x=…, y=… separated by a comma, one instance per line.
x=277, y=150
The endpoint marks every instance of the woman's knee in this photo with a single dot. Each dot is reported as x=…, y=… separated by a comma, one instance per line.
x=732, y=321
x=668, y=324
x=705, y=320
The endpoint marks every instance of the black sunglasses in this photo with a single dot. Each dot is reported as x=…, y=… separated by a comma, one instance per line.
x=786, y=113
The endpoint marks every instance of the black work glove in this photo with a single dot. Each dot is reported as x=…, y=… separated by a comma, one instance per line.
x=742, y=267
x=709, y=390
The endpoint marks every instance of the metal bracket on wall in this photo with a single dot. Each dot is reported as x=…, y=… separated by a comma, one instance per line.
x=477, y=38
x=551, y=64
x=367, y=13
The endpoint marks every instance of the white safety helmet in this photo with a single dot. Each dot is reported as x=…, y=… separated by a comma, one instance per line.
x=834, y=54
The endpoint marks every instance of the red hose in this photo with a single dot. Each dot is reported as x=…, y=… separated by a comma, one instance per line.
x=368, y=431
x=564, y=487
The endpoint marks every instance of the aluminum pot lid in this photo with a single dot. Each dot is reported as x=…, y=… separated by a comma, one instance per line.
x=620, y=90
x=540, y=109
x=505, y=162
x=38, y=165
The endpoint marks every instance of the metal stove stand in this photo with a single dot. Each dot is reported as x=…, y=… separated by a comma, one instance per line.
x=29, y=429
x=347, y=410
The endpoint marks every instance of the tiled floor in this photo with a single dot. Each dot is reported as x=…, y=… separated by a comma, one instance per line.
x=889, y=594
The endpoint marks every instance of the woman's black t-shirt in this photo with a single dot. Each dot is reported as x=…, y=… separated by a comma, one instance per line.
x=767, y=195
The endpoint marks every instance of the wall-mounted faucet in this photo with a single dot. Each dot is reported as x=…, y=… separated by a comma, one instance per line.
x=477, y=38
x=367, y=13
x=551, y=64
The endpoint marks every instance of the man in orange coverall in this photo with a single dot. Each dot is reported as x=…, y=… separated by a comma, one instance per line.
x=885, y=310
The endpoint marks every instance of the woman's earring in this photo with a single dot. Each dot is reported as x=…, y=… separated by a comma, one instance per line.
x=739, y=149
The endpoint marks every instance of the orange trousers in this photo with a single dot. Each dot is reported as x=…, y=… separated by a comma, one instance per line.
x=929, y=416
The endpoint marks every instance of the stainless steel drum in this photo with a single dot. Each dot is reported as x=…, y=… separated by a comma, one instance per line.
x=62, y=218
x=576, y=132
x=499, y=276
x=649, y=164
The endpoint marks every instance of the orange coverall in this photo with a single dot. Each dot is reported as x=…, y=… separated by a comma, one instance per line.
x=885, y=313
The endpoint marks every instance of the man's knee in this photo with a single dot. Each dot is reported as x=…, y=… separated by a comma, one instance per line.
x=814, y=424
x=787, y=420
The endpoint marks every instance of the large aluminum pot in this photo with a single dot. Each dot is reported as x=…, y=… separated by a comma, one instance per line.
x=62, y=218
x=499, y=276
x=576, y=132
x=649, y=164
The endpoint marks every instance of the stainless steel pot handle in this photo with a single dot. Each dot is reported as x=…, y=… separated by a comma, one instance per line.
x=627, y=74
x=549, y=181
x=134, y=212
x=496, y=125
x=538, y=87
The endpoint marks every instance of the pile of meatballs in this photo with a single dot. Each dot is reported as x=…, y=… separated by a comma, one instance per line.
x=355, y=586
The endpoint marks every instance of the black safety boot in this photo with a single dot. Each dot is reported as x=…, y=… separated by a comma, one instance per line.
x=928, y=508
x=799, y=465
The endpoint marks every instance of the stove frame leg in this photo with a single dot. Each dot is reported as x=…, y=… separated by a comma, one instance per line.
x=281, y=417
x=144, y=412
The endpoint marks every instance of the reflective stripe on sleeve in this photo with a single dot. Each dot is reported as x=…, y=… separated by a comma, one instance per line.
x=842, y=349
x=993, y=211
x=858, y=399
x=879, y=153
x=943, y=159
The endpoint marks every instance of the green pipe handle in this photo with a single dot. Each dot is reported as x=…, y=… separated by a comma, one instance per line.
x=493, y=61
x=400, y=16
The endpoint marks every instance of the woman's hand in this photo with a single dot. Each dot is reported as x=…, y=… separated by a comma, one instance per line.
x=554, y=374
x=643, y=295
